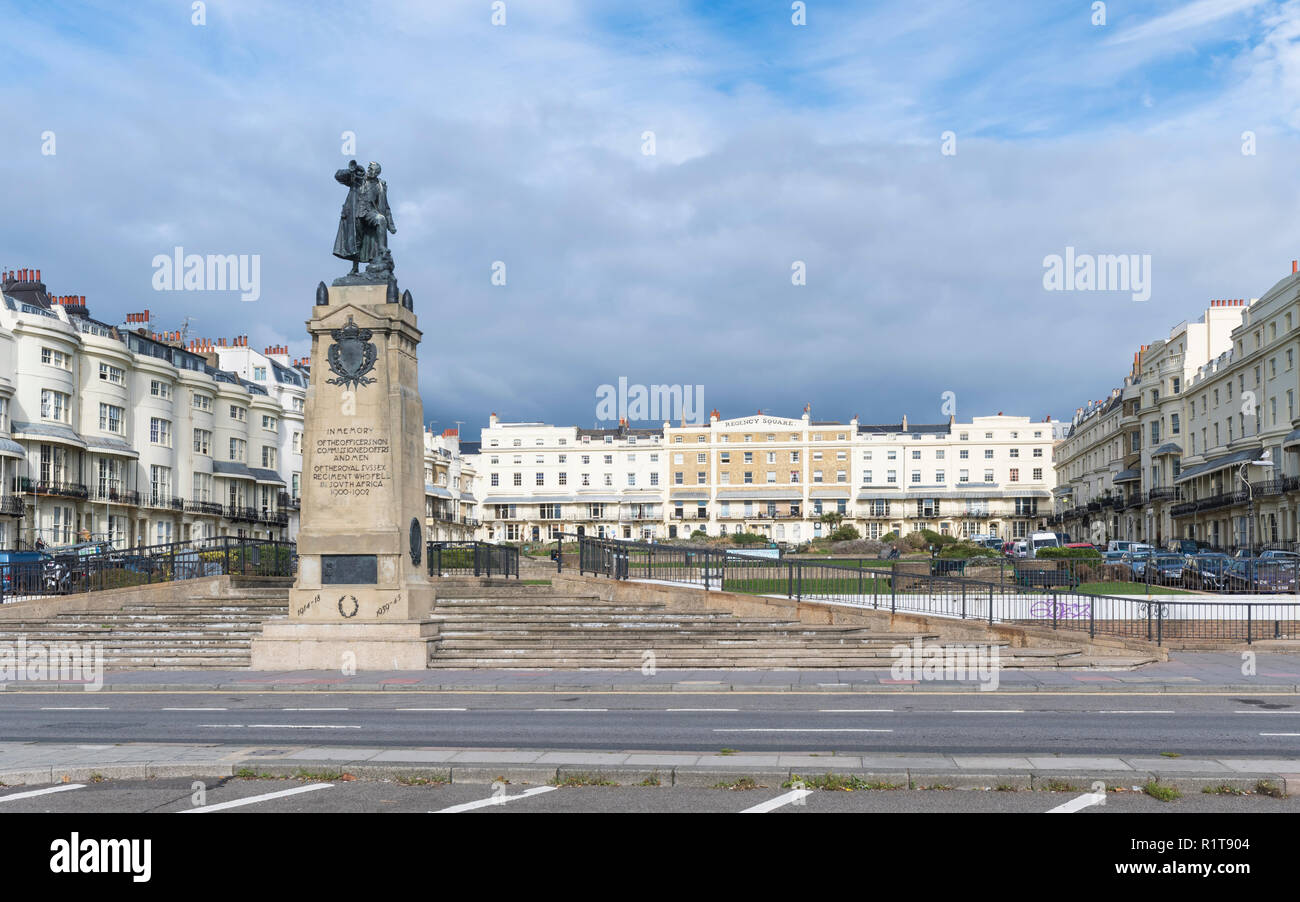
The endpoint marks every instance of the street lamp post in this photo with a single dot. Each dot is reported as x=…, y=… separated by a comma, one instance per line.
x=1264, y=461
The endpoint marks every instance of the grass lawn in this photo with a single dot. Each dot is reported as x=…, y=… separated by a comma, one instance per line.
x=1128, y=589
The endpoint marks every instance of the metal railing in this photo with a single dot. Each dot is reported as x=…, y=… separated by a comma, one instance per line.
x=91, y=568
x=1048, y=598
x=472, y=558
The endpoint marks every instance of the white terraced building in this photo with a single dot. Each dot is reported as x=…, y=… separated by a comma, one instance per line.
x=769, y=475
x=537, y=480
x=1119, y=469
x=123, y=434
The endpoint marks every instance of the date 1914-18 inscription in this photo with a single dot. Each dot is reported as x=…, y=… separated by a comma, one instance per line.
x=351, y=461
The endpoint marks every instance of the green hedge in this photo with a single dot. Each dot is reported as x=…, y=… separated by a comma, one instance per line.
x=965, y=551
x=1072, y=554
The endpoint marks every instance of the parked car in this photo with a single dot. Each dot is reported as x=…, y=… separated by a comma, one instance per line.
x=1252, y=575
x=1124, y=545
x=1020, y=549
x=1207, y=570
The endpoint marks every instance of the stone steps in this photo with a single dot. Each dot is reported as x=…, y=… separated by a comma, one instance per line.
x=530, y=627
x=189, y=633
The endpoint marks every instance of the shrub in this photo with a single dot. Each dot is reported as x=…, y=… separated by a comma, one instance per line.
x=845, y=533
x=1072, y=554
x=916, y=541
x=699, y=534
x=965, y=551
x=889, y=537
x=747, y=538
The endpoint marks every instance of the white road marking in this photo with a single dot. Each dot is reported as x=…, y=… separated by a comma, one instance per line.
x=855, y=710
x=493, y=800
x=798, y=730
x=280, y=726
x=253, y=800
x=552, y=710
x=71, y=708
x=989, y=711
x=196, y=709
x=1279, y=734
x=431, y=709
x=780, y=801
x=1135, y=712
x=313, y=709
x=719, y=710
x=1266, y=712
x=1087, y=800
x=303, y=726
x=41, y=792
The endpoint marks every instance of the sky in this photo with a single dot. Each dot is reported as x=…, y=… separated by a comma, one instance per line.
x=651, y=178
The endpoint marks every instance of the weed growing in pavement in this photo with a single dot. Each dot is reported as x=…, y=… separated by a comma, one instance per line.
x=838, y=783
x=1171, y=754
x=741, y=784
x=1060, y=786
x=1268, y=788
x=1223, y=789
x=1005, y=787
x=412, y=780
x=581, y=780
x=652, y=780
x=727, y=752
x=1161, y=791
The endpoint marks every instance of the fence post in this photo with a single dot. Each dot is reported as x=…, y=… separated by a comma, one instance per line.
x=478, y=570
x=707, y=560
x=789, y=581
x=1092, y=621
x=559, y=553
x=860, y=593
x=1160, y=624
x=800, y=596
x=963, y=601
x=991, y=603
x=1249, y=617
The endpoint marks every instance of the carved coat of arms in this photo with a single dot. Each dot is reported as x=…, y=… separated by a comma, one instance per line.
x=351, y=356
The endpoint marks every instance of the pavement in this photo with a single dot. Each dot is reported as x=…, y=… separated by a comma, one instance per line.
x=40, y=764
x=1184, y=672
x=340, y=793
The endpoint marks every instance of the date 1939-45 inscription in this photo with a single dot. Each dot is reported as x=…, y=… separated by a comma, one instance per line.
x=351, y=461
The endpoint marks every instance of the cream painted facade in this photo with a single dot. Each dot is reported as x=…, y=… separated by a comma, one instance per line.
x=536, y=481
x=123, y=434
x=451, y=508
x=1161, y=458
x=774, y=476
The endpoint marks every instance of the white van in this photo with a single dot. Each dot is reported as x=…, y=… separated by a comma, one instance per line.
x=1041, y=540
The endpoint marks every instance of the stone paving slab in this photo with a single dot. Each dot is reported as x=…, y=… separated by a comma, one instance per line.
x=1079, y=762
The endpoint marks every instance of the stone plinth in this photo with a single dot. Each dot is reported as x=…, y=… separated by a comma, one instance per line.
x=362, y=585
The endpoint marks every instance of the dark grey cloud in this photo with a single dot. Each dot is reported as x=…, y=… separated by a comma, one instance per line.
x=523, y=144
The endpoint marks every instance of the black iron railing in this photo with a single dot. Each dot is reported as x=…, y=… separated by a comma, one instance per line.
x=472, y=558
x=1048, y=597
x=92, y=568
x=52, y=487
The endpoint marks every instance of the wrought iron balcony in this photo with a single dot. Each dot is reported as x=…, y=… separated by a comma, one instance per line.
x=53, y=487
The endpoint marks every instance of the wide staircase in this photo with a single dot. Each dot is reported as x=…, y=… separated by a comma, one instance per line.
x=505, y=624
x=187, y=633
x=495, y=623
